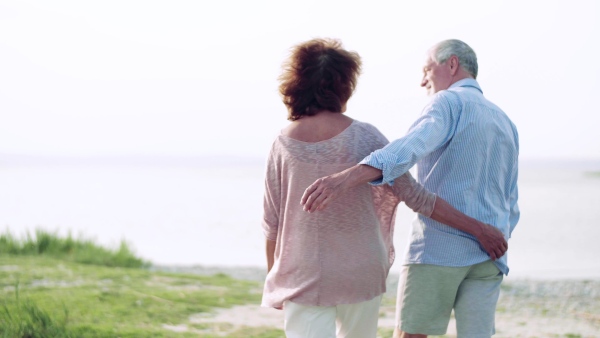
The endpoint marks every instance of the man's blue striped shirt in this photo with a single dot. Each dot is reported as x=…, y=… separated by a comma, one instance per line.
x=466, y=150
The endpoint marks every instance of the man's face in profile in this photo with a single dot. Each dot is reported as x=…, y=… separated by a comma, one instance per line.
x=436, y=76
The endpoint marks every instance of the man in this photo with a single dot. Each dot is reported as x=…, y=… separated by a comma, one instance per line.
x=466, y=151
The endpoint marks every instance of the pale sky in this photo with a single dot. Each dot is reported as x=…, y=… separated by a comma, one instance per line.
x=194, y=78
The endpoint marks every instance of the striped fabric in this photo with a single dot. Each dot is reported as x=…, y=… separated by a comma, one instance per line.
x=466, y=150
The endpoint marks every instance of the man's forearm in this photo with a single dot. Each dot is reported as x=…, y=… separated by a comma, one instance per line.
x=360, y=174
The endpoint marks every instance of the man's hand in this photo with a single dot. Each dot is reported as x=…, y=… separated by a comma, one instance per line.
x=326, y=189
x=492, y=240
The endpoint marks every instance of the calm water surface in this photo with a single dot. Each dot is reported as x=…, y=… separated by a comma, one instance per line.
x=188, y=214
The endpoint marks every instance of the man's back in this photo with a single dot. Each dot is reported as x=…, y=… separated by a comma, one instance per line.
x=474, y=167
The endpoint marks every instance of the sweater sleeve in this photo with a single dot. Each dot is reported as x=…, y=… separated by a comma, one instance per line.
x=385, y=200
x=272, y=197
x=414, y=195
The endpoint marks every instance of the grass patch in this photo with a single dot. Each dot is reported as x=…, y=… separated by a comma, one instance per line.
x=52, y=286
x=388, y=333
x=46, y=297
x=28, y=320
x=79, y=250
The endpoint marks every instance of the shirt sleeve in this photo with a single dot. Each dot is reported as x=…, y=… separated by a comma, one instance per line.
x=414, y=195
x=513, y=191
x=515, y=213
x=434, y=128
x=272, y=200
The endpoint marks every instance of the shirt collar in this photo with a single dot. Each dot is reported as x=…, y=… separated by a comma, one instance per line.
x=467, y=83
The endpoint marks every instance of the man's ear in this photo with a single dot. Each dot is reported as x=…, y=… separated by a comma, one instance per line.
x=454, y=64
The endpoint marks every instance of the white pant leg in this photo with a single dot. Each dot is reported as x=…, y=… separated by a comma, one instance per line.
x=302, y=321
x=358, y=320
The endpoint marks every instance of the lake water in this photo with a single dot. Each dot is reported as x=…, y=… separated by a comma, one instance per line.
x=184, y=212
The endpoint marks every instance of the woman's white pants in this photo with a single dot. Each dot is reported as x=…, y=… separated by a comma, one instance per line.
x=357, y=320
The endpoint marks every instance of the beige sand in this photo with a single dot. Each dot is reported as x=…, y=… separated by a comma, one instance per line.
x=507, y=325
x=526, y=308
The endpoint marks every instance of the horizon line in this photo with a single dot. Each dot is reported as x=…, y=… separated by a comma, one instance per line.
x=166, y=159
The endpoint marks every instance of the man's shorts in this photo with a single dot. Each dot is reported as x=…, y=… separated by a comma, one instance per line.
x=428, y=293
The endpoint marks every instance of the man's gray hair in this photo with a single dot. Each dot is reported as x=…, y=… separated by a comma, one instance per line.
x=442, y=51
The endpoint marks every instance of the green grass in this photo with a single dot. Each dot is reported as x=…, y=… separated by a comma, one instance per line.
x=30, y=321
x=53, y=287
x=79, y=250
x=388, y=333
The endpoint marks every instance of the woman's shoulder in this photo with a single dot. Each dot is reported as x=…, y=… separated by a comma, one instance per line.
x=368, y=130
x=366, y=126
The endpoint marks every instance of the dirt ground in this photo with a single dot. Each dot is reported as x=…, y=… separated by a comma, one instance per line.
x=506, y=325
x=526, y=308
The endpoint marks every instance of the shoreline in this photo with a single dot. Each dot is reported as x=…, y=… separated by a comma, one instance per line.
x=258, y=274
x=556, y=287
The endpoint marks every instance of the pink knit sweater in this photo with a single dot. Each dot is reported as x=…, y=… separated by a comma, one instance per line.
x=340, y=255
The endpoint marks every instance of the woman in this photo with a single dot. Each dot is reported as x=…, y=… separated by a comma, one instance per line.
x=327, y=270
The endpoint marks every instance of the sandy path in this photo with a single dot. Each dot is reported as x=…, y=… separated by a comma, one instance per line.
x=526, y=308
x=507, y=325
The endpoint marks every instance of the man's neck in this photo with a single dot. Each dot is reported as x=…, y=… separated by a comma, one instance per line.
x=460, y=77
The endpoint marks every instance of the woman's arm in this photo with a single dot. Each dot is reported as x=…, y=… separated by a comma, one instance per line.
x=271, y=201
x=491, y=239
x=271, y=258
x=428, y=204
x=270, y=253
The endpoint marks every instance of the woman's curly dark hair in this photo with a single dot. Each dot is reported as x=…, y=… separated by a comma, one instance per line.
x=319, y=75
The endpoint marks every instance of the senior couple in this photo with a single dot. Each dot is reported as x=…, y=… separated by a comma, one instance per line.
x=333, y=185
